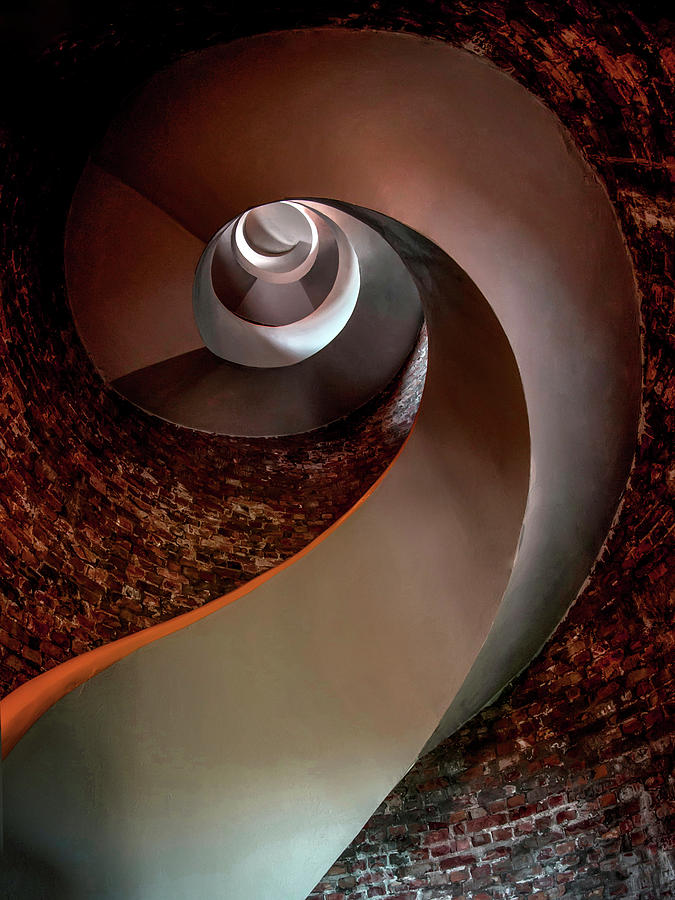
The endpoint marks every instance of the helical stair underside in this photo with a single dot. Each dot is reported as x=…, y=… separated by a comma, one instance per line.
x=278, y=343
x=263, y=230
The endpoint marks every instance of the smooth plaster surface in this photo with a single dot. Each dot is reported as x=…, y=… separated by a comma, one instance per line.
x=129, y=271
x=201, y=391
x=239, y=755
x=249, y=343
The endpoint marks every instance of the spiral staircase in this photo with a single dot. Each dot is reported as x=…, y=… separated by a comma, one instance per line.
x=250, y=251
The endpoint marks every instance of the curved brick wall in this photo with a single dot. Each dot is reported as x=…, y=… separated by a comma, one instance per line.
x=563, y=788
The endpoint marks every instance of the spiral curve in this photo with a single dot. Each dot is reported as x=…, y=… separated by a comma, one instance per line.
x=462, y=550
x=249, y=343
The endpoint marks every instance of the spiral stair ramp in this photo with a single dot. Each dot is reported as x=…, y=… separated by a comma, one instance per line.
x=298, y=701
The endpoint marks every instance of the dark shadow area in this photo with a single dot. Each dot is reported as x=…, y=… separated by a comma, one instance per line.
x=25, y=876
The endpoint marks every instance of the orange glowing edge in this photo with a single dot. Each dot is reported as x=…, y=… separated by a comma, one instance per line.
x=21, y=708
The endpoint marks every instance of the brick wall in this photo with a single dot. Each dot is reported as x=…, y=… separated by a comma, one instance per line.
x=562, y=788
